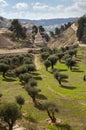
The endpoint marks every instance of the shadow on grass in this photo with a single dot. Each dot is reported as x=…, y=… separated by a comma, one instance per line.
x=77, y=70
x=65, y=81
x=63, y=69
x=38, y=77
x=39, y=106
x=8, y=79
x=79, y=60
x=10, y=75
x=63, y=127
x=41, y=97
x=35, y=73
x=68, y=87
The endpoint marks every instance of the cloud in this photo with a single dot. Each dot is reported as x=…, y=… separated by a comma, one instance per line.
x=40, y=10
x=39, y=6
x=21, y=6
x=77, y=6
x=3, y=3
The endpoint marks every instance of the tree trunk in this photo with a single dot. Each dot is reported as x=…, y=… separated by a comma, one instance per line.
x=4, y=74
x=34, y=100
x=52, y=66
x=53, y=119
x=59, y=82
x=10, y=126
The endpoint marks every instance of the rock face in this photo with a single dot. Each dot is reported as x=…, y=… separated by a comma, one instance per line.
x=39, y=41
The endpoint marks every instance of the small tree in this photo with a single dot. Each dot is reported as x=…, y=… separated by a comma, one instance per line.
x=9, y=113
x=33, y=92
x=34, y=29
x=44, y=55
x=47, y=64
x=57, y=31
x=31, y=67
x=60, y=56
x=60, y=77
x=25, y=77
x=52, y=34
x=21, y=69
x=70, y=63
x=51, y=109
x=53, y=60
x=20, y=100
x=33, y=82
x=4, y=68
x=41, y=29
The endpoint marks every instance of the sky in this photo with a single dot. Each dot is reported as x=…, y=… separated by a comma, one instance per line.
x=42, y=9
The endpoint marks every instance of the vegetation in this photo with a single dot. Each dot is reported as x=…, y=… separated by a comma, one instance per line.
x=51, y=109
x=18, y=30
x=33, y=92
x=47, y=94
x=20, y=100
x=81, y=28
x=4, y=68
x=9, y=113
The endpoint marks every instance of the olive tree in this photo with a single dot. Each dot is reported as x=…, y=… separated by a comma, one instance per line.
x=33, y=92
x=70, y=63
x=53, y=59
x=9, y=113
x=60, y=77
x=25, y=77
x=4, y=68
x=47, y=64
x=51, y=109
x=20, y=100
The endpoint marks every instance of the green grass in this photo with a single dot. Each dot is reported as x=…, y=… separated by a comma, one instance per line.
x=71, y=100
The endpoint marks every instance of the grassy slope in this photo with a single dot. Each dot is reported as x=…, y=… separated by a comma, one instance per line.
x=71, y=102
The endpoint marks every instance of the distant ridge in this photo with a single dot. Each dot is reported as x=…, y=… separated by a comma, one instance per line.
x=48, y=24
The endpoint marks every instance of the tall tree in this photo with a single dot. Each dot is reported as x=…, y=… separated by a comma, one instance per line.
x=18, y=30
x=41, y=29
x=81, y=26
x=57, y=31
x=34, y=29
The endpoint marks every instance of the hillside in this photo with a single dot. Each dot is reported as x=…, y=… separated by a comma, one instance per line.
x=5, y=42
x=68, y=37
x=48, y=24
x=4, y=23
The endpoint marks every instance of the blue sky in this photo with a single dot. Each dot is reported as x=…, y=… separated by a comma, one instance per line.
x=42, y=9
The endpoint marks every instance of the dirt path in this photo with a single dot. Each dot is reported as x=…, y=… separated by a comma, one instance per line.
x=36, y=60
x=7, y=51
